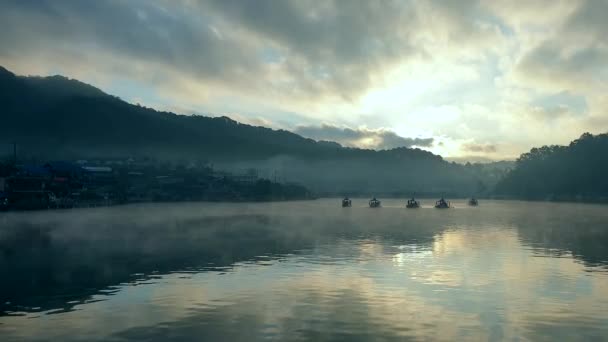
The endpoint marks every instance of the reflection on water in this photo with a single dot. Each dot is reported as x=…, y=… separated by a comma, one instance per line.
x=305, y=271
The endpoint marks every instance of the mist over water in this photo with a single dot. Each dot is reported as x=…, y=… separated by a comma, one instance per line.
x=306, y=271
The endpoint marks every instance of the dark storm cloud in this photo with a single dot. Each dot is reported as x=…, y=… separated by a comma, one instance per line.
x=361, y=137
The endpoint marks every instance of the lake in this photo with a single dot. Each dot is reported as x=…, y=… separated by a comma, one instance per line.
x=306, y=271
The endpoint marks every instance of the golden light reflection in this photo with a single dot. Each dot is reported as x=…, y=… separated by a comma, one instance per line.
x=469, y=241
x=397, y=290
x=411, y=253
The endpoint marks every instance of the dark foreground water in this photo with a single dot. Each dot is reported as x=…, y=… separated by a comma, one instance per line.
x=306, y=271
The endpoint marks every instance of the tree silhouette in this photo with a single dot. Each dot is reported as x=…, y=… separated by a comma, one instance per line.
x=578, y=170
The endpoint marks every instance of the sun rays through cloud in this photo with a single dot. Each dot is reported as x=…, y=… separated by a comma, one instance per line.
x=466, y=73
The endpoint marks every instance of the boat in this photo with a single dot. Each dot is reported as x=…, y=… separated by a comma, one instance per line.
x=346, y=202
x=412, y=203
x=374, y=203
x=442, y=204
x=473, y=202
x=4, y=203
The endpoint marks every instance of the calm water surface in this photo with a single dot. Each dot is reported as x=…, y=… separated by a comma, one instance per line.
x=306, y=271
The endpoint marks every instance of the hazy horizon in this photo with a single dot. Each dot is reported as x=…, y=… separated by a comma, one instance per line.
x=303, y=170
x=7, y=150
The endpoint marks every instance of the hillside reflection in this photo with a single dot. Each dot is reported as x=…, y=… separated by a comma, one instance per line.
x=52, y=260
x=304, y=268
x=569, y=229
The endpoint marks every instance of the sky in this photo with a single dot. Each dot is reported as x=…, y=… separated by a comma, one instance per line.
x=469, y=80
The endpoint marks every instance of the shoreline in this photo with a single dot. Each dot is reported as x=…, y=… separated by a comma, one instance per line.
x=91, y=206
x=262, y=201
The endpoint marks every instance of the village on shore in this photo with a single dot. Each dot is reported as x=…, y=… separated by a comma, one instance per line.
x=105, y=182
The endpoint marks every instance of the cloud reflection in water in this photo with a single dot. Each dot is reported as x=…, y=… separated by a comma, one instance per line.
x=311, y=271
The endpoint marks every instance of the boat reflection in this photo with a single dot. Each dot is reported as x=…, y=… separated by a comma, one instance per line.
x=248, y=273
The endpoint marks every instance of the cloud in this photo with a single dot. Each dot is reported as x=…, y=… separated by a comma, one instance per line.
x=301, y=49
x=485, y=148
x=573, y=57
x=253, y=120
x=361, y=137
x=556, y=112
x=136, y=31
x=310, y=49
x=470, y=70
x=524, y=15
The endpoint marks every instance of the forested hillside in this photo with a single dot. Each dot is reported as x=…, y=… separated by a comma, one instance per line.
x=60, y=118
x=576, y=171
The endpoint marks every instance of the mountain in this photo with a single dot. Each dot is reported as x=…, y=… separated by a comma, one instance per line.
x=56, y=117
x=576, y=171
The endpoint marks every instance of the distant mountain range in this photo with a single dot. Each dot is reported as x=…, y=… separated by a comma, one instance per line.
x=59, y=118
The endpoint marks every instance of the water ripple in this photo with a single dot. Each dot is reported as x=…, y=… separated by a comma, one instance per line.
x=253, y=272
